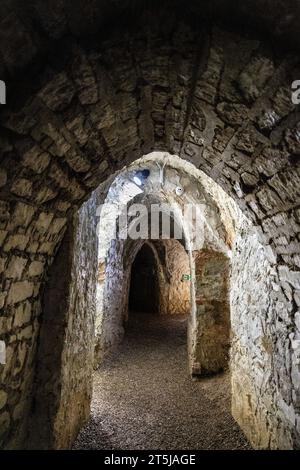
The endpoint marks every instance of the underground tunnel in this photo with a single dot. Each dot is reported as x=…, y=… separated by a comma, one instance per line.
x=132, y=108
x=143, y=293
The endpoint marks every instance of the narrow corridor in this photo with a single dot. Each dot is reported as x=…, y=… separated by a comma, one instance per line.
x=145, y=399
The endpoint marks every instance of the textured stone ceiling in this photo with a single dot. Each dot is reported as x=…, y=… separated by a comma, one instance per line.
x=216, y=98
x=29, y=29
x=93, y=86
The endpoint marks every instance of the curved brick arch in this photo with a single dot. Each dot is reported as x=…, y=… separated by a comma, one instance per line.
x=217, y=99
x=232, y=119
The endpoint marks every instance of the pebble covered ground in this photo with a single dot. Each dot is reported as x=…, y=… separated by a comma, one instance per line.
x=144, y=397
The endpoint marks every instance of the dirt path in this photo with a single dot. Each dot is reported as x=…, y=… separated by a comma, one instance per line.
x=145, y=399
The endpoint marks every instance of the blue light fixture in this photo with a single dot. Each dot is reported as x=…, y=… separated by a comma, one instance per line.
x=140, y=176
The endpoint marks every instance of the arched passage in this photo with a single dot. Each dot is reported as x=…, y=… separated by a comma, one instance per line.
x=219, y=99
x=144, y=282
x=118, y=281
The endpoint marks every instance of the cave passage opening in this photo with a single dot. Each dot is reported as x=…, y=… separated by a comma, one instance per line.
x=160, y=297
x=185, y=84
x=144, y=283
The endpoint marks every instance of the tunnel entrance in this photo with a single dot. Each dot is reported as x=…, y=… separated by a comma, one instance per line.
x=144, y=285
x=209, y=91
x=156, y=298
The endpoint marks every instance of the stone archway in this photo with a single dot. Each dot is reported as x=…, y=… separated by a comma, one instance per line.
x=216, y=98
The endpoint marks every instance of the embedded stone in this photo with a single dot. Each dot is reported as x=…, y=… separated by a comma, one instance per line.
x=231, y=113
x=57, y=224
x=59, y=176
x=255, y=77
x=16, y=267
x=25, y=333
x=22, y=215
x=63, y=206
x=77, y=162
x=20, y=291
x=17, y=241
x=36, y=268
x=36, y=160
x=282, y=102
x=22, y=187
x=47, y=248
x=43, y=221
x=58, y=93
x=77, y=126
x=45, y=194
x=207, y=86
x=22, y=314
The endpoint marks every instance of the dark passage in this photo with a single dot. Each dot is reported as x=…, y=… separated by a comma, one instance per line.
x=144, y=288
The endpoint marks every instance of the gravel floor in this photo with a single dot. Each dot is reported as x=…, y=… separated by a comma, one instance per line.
x=145, y=399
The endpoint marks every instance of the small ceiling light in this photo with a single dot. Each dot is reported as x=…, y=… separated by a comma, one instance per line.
x=179, y=190
x=140, y=176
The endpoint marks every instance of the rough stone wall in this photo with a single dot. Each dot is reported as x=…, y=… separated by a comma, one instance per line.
x=47, y=376
x=265, y=346
x=112, y=309
x=79, y=341
x=22, y=277
x=219, y=99
x=211, y=333
x=63, y=386
x=177, y=290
